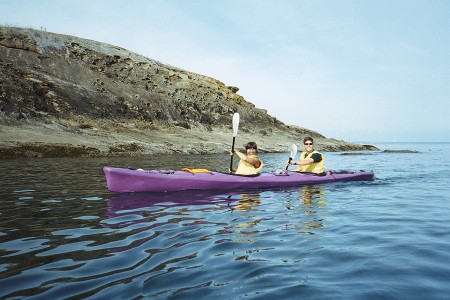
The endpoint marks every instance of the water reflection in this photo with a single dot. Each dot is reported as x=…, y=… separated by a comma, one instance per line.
x=313, y=195
x=133, y=202
x=156, y=214
x=312, y=199
x=248, y=202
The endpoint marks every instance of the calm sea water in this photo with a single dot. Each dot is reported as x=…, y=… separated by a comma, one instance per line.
x=63, y=235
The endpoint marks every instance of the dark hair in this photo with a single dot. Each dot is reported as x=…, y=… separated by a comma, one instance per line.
x=308, y=138
x=251, y=145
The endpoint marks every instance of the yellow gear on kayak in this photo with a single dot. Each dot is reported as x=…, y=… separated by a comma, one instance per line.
x=196, y=170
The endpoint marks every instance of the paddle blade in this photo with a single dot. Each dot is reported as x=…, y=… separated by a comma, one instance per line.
x=235, y=124
x=293, y=151
x=293, y=154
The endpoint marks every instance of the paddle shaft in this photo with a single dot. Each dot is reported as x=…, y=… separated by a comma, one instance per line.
x=232, y=154
x=235, y=130
x=290, y=159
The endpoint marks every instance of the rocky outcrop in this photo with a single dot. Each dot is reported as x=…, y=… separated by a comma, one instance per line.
x=66, y=96
x=400, y=151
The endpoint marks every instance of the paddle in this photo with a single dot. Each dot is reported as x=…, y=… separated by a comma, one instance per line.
x=235, y=130
x=293, y=154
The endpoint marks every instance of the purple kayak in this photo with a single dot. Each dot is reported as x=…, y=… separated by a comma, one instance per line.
x=121, y=180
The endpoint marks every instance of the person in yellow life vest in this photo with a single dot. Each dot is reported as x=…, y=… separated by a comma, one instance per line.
x=311, y=161
x=249, y=164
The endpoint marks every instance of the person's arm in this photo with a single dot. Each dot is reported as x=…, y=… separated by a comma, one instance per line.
x=316, y=157
x=251, y=160
x=304, y=162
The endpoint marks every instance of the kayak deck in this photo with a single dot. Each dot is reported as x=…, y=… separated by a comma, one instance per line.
x=122, y=180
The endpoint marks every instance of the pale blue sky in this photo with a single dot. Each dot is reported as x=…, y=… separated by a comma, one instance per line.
x=355, y=70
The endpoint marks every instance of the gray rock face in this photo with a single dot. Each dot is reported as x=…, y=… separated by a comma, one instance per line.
x=100, y=99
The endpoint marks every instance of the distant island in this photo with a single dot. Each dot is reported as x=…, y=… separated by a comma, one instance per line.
x=64, y=96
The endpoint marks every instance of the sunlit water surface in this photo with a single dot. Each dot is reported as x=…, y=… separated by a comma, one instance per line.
x=62, y=234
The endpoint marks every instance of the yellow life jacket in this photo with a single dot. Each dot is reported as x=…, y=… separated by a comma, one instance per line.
x=316, y=168
x=245, y=168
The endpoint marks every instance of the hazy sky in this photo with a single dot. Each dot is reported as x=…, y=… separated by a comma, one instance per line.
x=356, y=70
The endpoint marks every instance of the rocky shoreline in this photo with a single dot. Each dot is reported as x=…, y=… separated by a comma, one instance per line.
x=64, y=96
x=54, y=140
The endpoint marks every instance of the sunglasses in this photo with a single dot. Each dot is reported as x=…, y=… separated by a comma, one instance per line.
x=308, y=144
